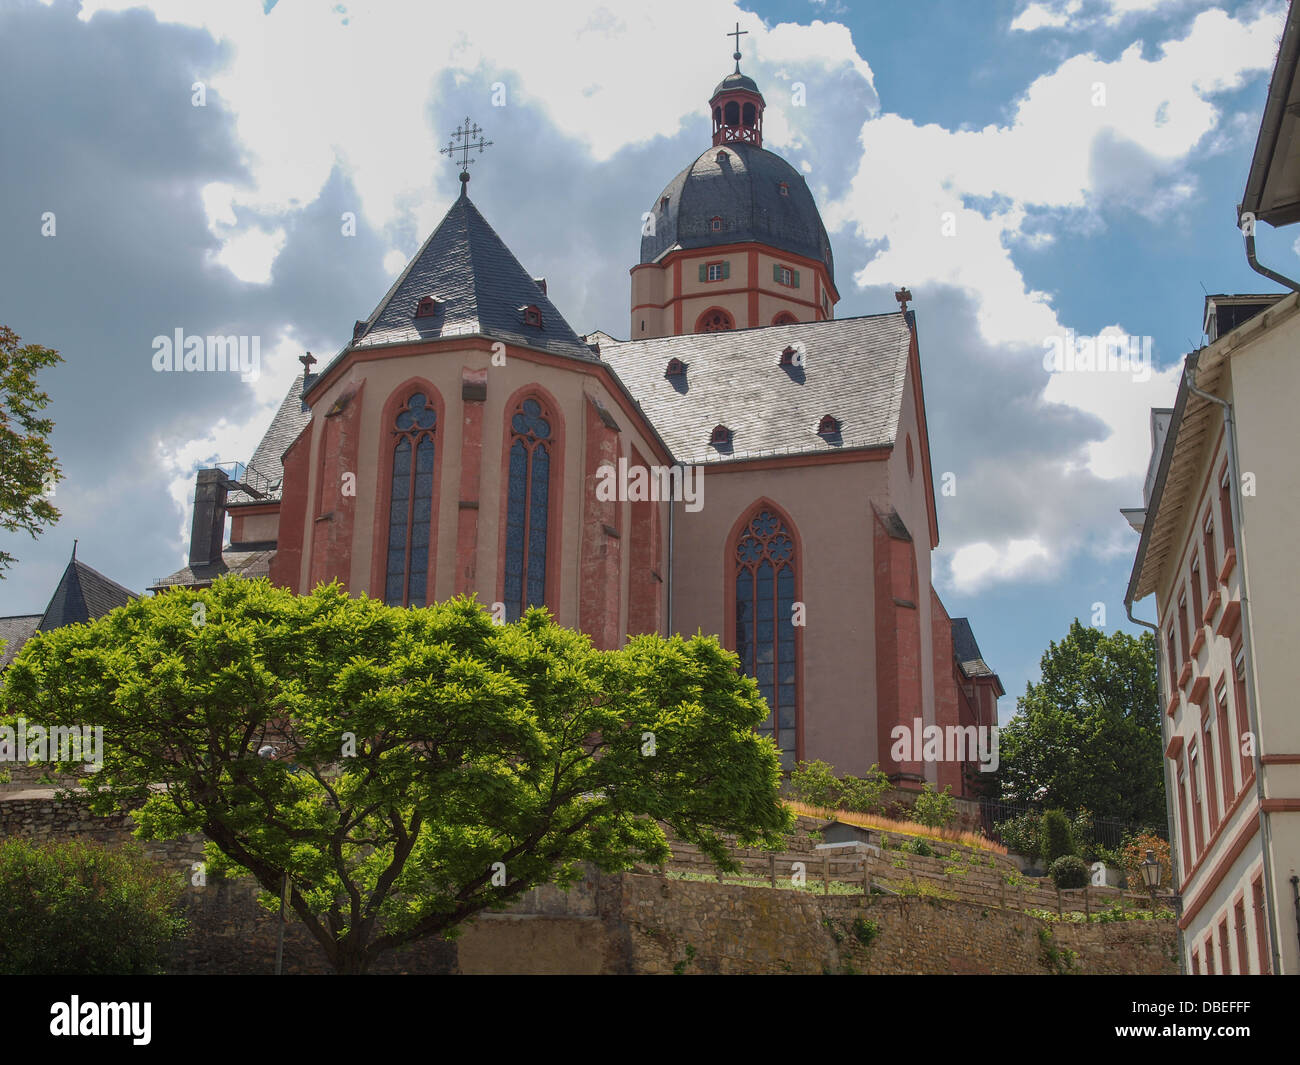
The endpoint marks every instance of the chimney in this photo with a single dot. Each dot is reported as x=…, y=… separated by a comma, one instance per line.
x=209, y=528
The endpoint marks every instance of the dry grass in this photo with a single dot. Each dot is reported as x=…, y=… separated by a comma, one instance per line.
x=903, y=828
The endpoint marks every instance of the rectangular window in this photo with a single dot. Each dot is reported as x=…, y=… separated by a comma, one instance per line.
x=1173, y=665
x=1196, y=963
x=1225, y=511
x=1261, y=926
x=1225, y=742
x=1185, y=841
x=1193, y=776
x=1243, y=717
x=1243, y=950
x=715, y=271
x=1198, y=604
x=1209, y=954
x=1211, y=557
x=1211, y=786
x=1225, y=952
x=1182, y=624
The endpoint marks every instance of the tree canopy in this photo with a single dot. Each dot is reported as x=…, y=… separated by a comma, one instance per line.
x=1087, y=735
x=28, y=468
x=428, y=763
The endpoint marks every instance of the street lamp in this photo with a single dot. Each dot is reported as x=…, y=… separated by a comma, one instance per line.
x=1151, y=875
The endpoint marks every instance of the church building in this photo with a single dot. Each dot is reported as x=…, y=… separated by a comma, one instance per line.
x=745, y=463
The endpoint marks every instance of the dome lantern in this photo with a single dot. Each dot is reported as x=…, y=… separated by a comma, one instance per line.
x=737, y=105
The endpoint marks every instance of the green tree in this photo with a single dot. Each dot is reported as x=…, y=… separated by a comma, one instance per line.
x=77, y=908
x=428, y=764
x=1087, y=735
x=28, y=469
x=935, y=809
x=1057, y=840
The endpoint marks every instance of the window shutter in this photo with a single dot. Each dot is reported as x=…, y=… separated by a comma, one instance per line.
x=796, y=279
x=776, y=273
x=726, y=270
x=704, y=272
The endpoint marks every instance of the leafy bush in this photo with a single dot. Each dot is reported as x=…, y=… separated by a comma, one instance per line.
x=918, y=846
x=864, y=795
x=79, y=908
x=1055, y=837
x=1069, y=871
x=865, y=931
x=1022, y=834
x=935, y=809
x=814, y=783
x=1134, y=853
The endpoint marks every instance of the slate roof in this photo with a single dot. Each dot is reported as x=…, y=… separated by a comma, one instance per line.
x=16, y=631
x=480, y=287
x=242, y=563
x=967, y=651
x=289, y=421
x=734, y=81
x=83, y=594
x=744, y=192
x=855, y=370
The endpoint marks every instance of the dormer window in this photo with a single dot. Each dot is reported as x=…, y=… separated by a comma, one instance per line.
x=663, y=204
x=788, y=356
x=783, y=275
x=721, y=436
x=426, y=308
x=828, y=426
x=715, y=224
x=721, y=158
x=540, y=282
x=358, y=328
x=676, y=368
x=783, y=188
x=532, y=316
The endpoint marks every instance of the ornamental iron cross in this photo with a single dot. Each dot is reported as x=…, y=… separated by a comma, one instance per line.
x=466, y=135
x=737, y=33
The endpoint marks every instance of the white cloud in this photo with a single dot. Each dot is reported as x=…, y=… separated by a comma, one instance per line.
x=977, y=565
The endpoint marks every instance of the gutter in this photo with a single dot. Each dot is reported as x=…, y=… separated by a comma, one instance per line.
x=1170, y=785
x=1248, y=649
x=1279, y=88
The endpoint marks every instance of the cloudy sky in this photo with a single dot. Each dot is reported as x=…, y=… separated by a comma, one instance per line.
x=1027, y=169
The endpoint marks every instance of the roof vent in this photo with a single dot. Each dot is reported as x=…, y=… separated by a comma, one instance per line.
x=531, y=315
x=676, y=368
x=794, y=355
x=540, y=282
x=721, y=436
x=828, y=426
x=427, y=307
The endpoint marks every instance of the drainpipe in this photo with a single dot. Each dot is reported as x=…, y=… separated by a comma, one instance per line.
x=1259, y=268
x=1248, y=649
x=672, y=508
x=1170, y=784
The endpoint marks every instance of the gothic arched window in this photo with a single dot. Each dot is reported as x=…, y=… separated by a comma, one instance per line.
x=714, y=320
x=528, y=500
x=410, y=509
x=765, y=635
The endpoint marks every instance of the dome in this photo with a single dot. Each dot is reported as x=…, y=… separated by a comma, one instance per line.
x=743, y=193
x=736, y=81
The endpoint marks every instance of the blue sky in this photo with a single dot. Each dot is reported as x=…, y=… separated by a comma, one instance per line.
x=1025, y=168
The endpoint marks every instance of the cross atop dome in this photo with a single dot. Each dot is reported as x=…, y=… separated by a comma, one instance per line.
x=737, y=105
x=737, y=33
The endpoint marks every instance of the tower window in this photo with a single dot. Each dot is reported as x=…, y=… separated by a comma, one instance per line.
x=715, y=224
x=785, y=318
x=783, y=275
x=532, y=316
x=527, y=508
x=719, y=271
x=427, y=307
x=783, y=188
x=663, y=204
x=721, y=158
x=410, y=506
x=714, y=320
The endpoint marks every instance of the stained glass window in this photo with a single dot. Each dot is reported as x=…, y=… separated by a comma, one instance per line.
x=765, y=638
x=410, y=510
x=527, y=508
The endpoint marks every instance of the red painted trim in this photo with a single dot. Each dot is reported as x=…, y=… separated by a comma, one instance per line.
x=286, y=564
x=1184, y=675
x=729, y=602
x=384, y=489
x=1281, y=806
x=918, y=395
x=249, y=510
x=471, y=472
x=675, y=257
x=753, y=287
x=1280, y=759
x=713, y=293
x=1175, y=747
x=1174, y=703
x=1198, y=641
x=555, y=504
x=1211, y=608
x=677, y=297
x=1229, y=561
x=1199, y=690
x=787, y=462
x=1221, y=867
x=1230, y=620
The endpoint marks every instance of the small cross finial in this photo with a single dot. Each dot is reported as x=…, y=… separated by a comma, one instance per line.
x=737, y=33
x=465, y=134
x=903, y=295
x=308, y=361
x=74, y=550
